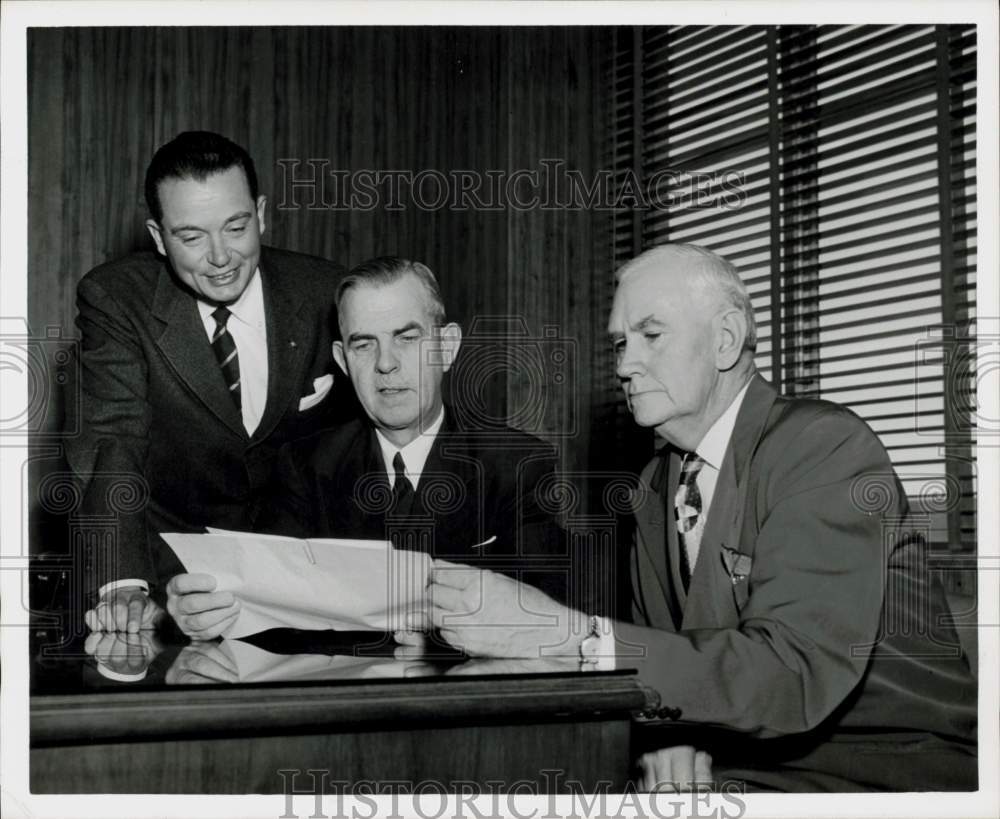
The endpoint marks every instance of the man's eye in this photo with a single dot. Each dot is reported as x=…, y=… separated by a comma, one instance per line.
x=361, y=346
x=409, y=338
x=651, y=336
x=237, y=229
x=190, y=240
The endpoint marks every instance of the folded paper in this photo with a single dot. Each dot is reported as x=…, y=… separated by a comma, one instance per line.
x=284, y=582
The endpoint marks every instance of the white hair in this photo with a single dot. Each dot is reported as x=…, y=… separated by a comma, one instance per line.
x=711, y=272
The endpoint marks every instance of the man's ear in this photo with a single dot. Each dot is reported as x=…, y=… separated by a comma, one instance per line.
x=157, y=233
x=261, y=210
x=731, y=332
x=451, y=339
x=338, y=356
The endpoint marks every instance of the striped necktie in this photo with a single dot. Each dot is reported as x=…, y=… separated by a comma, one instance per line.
x=225, y=352
x=688, y=514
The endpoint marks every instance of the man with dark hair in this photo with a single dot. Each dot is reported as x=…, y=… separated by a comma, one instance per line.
x=198, y=363
x=409, y=473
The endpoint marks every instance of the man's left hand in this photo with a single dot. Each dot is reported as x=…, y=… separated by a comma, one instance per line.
x=487, y=614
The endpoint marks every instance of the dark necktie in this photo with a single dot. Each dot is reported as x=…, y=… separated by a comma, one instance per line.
x=688, y=514
x=402, y=489
x=225, y=352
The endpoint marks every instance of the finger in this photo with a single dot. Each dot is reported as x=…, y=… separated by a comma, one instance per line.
x=417, y=621
x=413, y=639
x=448, y=599
x=136, y=608
x=92, y=621
x=201, y=620
x=210, y=632
x=93, y=639
x=218, y=655
x=151, y=615
x=454, y=575
x=646, y=779
x=702, y=767
x=187, y=583
x=105, y=617
x=682, y=764
x=120, y=609
x=195, y=603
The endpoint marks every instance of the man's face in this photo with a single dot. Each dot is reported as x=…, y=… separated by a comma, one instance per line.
x=664, y=343
x=393, y=356
x=211, y=233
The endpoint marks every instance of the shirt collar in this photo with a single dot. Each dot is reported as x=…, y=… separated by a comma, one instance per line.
x=248, y=308
x=414, y=453
x=713, y=446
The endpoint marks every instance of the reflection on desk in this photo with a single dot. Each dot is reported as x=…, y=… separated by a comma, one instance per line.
x=229, y=717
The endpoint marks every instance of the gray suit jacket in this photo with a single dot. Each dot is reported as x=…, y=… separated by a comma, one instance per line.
x=813, y=635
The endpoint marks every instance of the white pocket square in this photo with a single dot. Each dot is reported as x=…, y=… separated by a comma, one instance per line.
x=321, y=386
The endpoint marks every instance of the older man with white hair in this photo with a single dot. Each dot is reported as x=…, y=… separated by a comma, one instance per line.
x=782, y=610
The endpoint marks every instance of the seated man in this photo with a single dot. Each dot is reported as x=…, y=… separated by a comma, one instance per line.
x=407, y=473
x=769, y=531
x=198, y=363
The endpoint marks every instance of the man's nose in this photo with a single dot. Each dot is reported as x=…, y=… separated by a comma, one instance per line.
x=218, y=253
x=628, y=364
x=387, y=360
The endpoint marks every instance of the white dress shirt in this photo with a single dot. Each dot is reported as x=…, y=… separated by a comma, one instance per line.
x=712, y=449
x=248, y=327
x=414, y=453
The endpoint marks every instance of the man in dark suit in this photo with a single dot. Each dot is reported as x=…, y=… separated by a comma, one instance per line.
x=407, y=473
x=783, y=613
x=198, y=363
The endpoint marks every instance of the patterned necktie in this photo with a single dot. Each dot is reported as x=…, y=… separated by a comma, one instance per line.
x=688, y=514
x=402, y=489
x=225, y=352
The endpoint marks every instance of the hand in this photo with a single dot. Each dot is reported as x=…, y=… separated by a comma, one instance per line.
x=199, y=611
x=677, y=769
x=128, y=609
x=123, y=653
x=487, y=614
x=201, y=663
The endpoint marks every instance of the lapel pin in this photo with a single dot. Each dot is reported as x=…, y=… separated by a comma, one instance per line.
x=292, y=344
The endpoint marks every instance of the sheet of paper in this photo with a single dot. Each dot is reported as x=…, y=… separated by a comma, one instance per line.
x=308, y=584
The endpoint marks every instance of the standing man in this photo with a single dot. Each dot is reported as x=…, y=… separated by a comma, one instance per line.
x=198, y=363
x=781, y=611
x=407, y=473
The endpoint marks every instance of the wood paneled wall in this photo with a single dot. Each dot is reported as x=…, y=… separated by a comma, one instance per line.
x=481, y=99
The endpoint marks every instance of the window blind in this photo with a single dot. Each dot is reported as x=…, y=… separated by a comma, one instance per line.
x=855, y=228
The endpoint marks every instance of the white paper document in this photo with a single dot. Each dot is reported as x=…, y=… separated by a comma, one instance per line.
x=284, y=582
x=254, y=664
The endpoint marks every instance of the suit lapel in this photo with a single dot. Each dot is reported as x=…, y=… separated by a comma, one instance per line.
x=710, y=597
x=187, y=348
x=286, y=336
x=655, y=538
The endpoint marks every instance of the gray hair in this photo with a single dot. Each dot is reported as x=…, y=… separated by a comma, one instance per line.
x=714, y=275
x=385, y=270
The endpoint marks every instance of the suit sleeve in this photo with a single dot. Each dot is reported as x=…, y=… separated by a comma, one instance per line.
x=110, y=454
x=815, y=595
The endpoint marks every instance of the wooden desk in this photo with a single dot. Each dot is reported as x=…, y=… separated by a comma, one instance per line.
x=446, y=729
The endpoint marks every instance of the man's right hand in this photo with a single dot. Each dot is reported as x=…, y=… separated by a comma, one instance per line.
x=127, y=609
x=199, y=611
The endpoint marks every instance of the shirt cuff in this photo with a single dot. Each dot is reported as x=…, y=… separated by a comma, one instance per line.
x=121, y=584
x=597, y=651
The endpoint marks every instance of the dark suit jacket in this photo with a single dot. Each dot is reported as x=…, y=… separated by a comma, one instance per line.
x=163, y=446
x=473, y=487
x=783, y=635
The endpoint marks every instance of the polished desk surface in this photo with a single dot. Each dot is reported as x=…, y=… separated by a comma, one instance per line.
x=101, y=688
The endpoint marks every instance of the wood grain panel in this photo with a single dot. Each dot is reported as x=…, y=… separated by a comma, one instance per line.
x=421, y=98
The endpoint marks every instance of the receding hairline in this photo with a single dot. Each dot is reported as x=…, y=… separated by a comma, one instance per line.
x=431, y=306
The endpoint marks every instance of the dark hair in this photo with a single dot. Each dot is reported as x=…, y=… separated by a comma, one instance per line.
x=195, y=155
x=384, y=270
